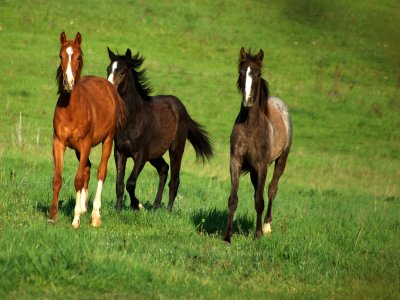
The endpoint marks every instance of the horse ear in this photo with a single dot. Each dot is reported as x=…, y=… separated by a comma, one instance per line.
x=63, y=37
x=78, y=39
x=128, y=53
x=111, y=54
x=260, y=55
x=242, y=53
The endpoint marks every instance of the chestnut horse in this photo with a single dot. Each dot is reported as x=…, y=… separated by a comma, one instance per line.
x=262, y=134
x=87, y=113
x=154, y=125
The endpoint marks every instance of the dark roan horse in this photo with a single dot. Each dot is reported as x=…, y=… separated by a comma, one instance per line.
x=154, y=125
x=262, y=134
x=87, y=113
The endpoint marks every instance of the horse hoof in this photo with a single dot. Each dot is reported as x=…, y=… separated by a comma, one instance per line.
x=267, y=229
x=139, y=206
x=227, y=241
x=95, y=222
x=76, y=224
x=51, y=221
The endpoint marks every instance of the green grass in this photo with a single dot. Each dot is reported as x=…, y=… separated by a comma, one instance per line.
x=336, y=221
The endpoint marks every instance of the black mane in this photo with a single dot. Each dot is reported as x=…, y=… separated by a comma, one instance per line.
x=141, y=82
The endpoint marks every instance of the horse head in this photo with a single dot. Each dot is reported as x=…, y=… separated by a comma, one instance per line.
x=124, y=72
x=119, y=67
x=71, y=64
x=249, y=75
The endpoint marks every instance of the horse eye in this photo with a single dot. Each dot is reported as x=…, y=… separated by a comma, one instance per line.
x=79, y=58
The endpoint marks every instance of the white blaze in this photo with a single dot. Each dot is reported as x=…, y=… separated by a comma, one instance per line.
x=70, y=76
x=113, y=68
x=249, y=82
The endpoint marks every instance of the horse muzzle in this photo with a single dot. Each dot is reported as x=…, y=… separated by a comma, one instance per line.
x=247, y=102
x=68, y=85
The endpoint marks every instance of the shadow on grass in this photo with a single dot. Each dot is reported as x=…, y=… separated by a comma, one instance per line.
x=213, y=221
x=64, y=207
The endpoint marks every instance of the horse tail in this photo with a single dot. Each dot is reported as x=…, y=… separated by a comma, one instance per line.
x=200, y=140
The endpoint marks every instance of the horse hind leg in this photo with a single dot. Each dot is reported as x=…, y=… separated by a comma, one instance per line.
x=95, y=219
x=258, y=181
x=84, y=195
x=175, y=160
x=162, y=169
x=80, y=183
x=280, y=164
x=120, y=163
x=131, y=182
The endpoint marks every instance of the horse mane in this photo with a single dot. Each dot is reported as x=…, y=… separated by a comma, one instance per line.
x=59, y=79
x=141, y=82
x=264, y=93
x=264, y=86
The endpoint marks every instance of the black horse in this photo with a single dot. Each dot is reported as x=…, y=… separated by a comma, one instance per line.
x=154, y=124
x=262, y=133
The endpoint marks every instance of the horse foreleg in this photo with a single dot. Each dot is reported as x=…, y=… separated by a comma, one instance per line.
x=58, y=155
x=120, y=163
x=235, y=168
x=280, y=164
x=162, y=169
x=101, y=177
x=80, y=182
x=131, y=183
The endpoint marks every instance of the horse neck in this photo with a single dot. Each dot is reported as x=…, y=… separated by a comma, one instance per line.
x=132, y=97
x=252, y=115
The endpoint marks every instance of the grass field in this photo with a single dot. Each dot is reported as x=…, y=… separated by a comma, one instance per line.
x=336, y=216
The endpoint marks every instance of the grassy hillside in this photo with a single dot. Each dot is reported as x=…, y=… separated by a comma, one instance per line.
x=336, y=215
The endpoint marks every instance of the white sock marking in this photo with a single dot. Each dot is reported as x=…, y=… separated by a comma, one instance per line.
x=113, y=68
x=97, y=199
x=84, y=197
x=76, y=222
x=248, y=85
